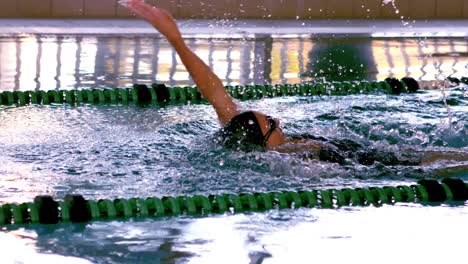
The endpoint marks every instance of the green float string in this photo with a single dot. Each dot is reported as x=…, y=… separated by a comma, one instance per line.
x=75, y=208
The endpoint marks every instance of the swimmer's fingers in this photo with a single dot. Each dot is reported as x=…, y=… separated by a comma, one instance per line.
x=158, y=17
x=144, y=10
x=149, y=12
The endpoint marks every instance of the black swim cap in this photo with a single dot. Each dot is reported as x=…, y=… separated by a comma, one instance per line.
x=243, y=132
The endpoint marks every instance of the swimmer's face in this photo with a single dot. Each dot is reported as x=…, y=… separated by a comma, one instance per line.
x=271, y=128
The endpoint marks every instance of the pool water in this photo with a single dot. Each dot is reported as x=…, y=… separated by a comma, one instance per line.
x=45, y=62
x=127, y=151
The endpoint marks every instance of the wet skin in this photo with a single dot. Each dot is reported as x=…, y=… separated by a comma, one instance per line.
x=276, y=137
x=278, y=141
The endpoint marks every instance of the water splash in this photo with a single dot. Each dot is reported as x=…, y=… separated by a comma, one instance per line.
x=392, y=2
x=404, y=22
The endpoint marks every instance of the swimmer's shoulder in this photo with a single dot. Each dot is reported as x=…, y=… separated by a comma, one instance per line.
x=313, y=149
x=297, y=145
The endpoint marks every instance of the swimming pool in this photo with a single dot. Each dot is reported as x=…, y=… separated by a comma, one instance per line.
x=127, y=151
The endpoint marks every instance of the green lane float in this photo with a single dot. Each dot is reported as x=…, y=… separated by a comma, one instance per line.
x=456, y=81
x=158, y=94
x=75, y=208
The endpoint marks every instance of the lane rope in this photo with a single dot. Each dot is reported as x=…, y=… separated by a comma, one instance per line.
x=159, y=94
x=75, y=208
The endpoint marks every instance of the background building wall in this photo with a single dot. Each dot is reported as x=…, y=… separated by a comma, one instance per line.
x=269, y=9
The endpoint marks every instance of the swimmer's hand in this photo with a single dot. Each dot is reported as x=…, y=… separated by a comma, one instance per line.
x=158, y=17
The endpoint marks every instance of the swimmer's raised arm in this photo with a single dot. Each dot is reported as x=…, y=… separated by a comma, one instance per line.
x=208, y=83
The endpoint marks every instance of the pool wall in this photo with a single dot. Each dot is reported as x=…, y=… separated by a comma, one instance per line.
x=265, y=9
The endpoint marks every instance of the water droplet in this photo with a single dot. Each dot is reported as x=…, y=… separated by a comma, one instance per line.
x=251, y=122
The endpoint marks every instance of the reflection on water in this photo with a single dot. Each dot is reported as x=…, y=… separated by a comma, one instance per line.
x=338, y=60
x=53, y=62
x=286, y=236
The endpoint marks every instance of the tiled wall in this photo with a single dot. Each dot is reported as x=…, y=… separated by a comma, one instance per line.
x=302, y=9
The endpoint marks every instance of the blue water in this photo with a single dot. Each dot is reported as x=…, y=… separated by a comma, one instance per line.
x=127, y=151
